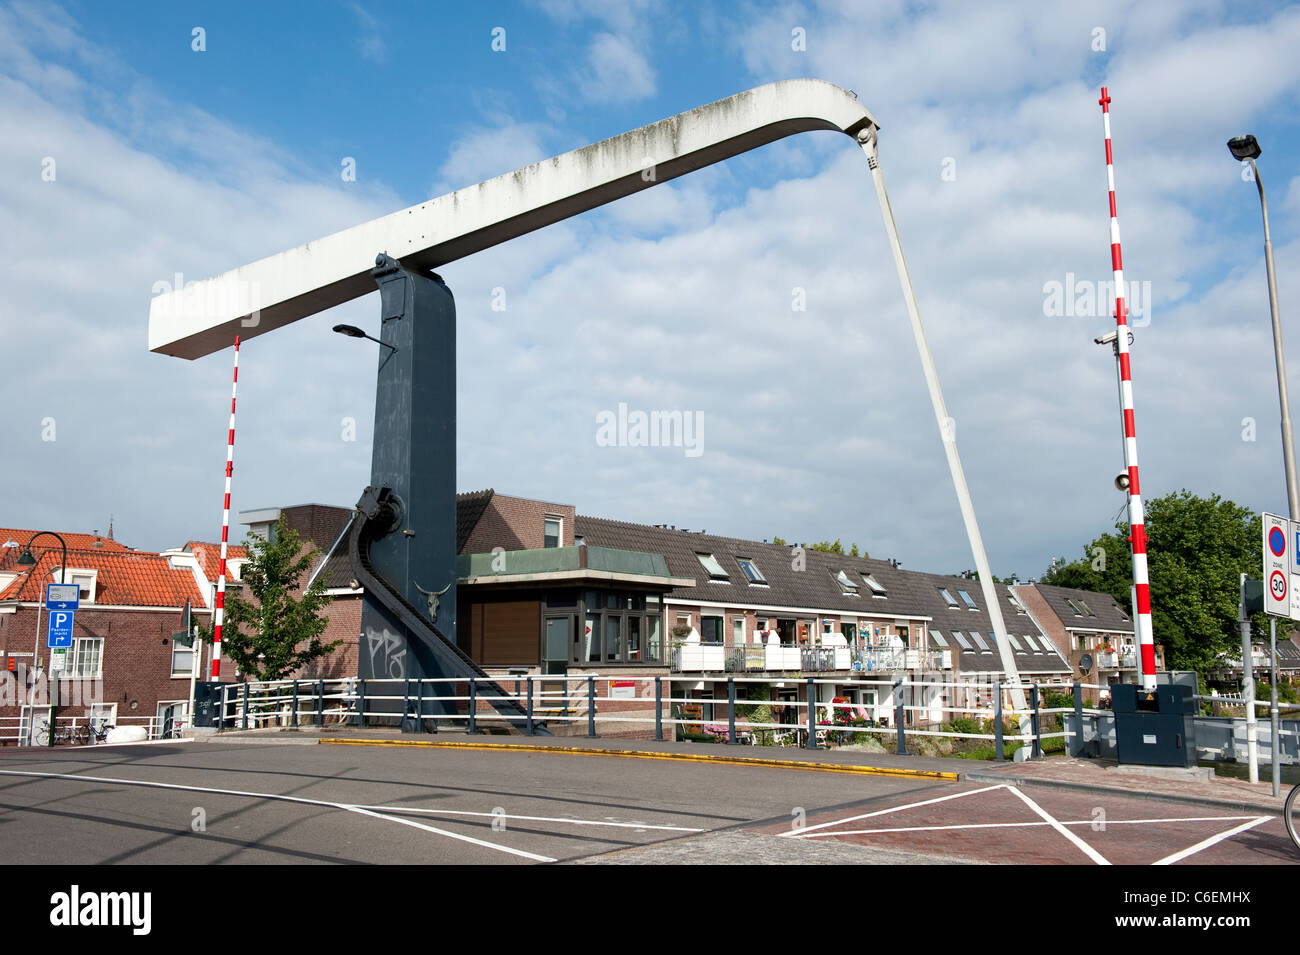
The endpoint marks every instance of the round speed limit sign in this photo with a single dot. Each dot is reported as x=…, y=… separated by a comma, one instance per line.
x=1277, y=584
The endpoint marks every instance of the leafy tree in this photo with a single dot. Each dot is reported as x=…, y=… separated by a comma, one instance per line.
x=1196, y=549
x=275, y=633
x=828, y=547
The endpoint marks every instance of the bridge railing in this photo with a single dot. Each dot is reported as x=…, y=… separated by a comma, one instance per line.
x=928, y=714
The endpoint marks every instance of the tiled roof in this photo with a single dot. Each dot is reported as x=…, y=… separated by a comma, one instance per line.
x=209, y=556
x=124, y=578
x=469, y=509
x=9, y=555
x=1106, y=613
x=907, y=593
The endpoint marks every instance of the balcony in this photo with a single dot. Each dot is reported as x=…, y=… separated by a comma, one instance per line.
x=717, y=658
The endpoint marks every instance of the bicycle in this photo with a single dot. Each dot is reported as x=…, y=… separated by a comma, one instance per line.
x=1291, y=815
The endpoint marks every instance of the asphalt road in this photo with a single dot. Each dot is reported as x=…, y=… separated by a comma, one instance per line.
x=205, y=803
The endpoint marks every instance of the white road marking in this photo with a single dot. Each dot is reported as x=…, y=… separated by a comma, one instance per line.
x=564, y=819
x=346, y=807
x=444, y=832
x=1212, y=841
x=1024, y=825
x=882, y=812
x=1086, y=849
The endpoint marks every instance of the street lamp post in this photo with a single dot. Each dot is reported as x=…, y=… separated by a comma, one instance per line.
x=1246, y=149
x=27, y=560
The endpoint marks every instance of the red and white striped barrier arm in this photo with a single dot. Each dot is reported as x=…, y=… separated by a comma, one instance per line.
x=219, y=609
x=1136, y=520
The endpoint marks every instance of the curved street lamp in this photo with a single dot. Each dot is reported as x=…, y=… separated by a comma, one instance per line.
x=25, y=559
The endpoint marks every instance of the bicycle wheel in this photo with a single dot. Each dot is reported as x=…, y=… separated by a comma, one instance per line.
x=1291, y=814
x=41, y=734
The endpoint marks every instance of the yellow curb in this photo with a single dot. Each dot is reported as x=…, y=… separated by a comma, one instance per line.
x=647, y=754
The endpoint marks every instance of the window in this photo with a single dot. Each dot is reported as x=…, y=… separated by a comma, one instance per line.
x=88, y=657
x=1120, y=610
x=937, y=637
x=737, y=631
x=1015, y=602
x=943, y=592
x=710, y=563
x=847, y=587
x=553, y=532
x=1087, y=609
x=751, y=571
x=979, y=642
x=182, y=656
x=876, y=589
x=1073, y=606
x=1033, y=646
x=966, y=597
x=1015, y=644
x=961, y=640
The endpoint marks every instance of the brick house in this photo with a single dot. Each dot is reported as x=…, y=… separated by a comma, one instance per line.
x=546, y=590
x=124, y=663
x=1093, y=632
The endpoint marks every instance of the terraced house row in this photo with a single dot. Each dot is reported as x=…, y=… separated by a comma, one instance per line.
x=542, y=589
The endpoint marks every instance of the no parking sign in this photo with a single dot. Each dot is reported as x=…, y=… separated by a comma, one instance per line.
x=1281, y=566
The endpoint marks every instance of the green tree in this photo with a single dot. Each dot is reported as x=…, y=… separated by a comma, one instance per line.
x=275, y=633
x=1196, y=549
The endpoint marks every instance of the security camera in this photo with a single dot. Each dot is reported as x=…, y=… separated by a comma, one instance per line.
x=1121, y=482
x=1107, y=339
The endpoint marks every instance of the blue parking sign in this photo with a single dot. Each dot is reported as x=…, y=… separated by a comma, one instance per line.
x=60, y=631
x=62, y=596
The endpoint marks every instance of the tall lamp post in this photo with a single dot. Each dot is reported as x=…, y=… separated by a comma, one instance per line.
x=27, y=560
x=1246, y=149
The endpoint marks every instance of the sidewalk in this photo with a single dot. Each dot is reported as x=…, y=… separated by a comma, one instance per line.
x=1088, y=775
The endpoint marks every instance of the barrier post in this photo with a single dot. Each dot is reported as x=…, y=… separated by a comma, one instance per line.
x=1037, y=751
x=659, y=708
x=293, y=718
x=812, y=715
x=225, y=705
x=320, y=702
x=591, y=707
x=361, y=703
x=731, y=711
x=898, y=717
x=245, y=723
x=998, y=752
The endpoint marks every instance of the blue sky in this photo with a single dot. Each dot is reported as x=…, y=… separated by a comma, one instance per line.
x=817, y=422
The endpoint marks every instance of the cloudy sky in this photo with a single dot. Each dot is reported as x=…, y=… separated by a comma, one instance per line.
x=128, y=157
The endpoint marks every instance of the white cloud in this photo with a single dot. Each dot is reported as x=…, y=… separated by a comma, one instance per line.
x=616, y=71
x=817, y=422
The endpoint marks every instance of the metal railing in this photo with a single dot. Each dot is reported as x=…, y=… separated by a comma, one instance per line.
x=80, y=730
x=907, y=709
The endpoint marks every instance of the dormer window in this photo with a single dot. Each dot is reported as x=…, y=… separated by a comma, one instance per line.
x=84, y=579
x=710, y=563
x=847, y=586
x=877, y=590
x=751, y=571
